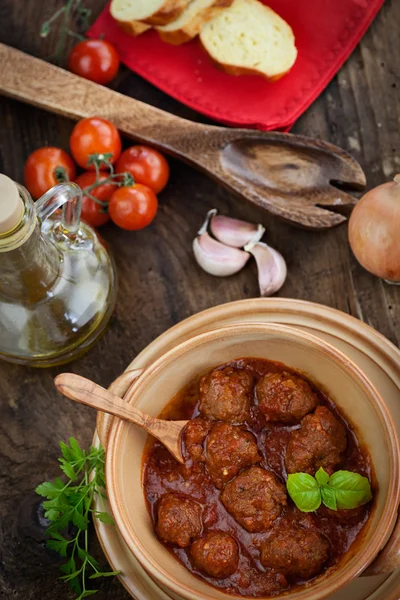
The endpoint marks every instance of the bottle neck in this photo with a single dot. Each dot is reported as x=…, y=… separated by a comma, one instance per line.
x=29, y=262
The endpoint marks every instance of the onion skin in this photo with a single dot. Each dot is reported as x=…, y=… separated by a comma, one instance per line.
x=374, y=231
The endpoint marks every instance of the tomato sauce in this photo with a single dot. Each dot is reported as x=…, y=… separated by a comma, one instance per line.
x=162, y=474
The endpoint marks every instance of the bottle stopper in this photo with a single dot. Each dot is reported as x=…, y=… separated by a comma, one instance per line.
x=11, y=205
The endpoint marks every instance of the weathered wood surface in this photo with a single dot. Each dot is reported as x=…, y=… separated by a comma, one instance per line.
x=289, y=176
x=160, y=283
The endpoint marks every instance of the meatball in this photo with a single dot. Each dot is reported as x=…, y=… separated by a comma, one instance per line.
x=285, y=398
x=216, y=554
x=345, y=516
x=179, y=519
x=295, y=551
x=320, y=442
x=225, y=395
x=255, y=498
x=194, y=435
x=228, y=450
x=265, y=584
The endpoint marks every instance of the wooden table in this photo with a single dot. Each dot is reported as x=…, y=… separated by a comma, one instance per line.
x=160, y=283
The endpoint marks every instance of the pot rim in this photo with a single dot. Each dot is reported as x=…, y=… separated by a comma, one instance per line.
x=331, y=583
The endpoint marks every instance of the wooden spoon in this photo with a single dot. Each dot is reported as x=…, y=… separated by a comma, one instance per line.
x=291, y=176
x=87, y=392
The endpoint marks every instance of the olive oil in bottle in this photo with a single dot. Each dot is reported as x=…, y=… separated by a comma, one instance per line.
x=57, y=280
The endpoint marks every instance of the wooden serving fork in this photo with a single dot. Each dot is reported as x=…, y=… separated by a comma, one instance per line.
x=291, y=176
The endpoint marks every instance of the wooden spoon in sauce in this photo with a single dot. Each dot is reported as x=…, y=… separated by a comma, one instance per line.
x=87, y=392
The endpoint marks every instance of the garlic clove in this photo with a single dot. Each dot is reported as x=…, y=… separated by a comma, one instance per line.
x=234, y=232
x=271, y=267
x=216, y=258
x=211, y=213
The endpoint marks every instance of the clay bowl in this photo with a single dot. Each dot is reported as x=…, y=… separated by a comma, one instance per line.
x=347, y=386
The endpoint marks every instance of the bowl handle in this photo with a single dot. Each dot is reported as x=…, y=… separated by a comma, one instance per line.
x=388, y=560
x=119, y=387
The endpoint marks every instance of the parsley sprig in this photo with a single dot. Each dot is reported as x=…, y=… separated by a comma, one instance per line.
x=70, y=503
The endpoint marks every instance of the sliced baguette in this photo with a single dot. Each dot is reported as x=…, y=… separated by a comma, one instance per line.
x=250, y=38
x=121, y=11
x=188, y=25
x=148, y=12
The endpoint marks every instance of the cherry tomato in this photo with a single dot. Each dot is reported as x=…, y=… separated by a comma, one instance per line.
x=94, y=136
x=41, y=171
x=95, y=214
x=96, y=60
x=146, y=165
x=133, y=207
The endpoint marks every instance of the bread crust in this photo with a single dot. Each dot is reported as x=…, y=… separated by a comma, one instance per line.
x=134, y=28
x=235, y=70
x=170, y=11
x=191, y=29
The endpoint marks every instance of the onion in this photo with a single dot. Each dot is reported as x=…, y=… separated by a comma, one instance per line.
x=374, y=231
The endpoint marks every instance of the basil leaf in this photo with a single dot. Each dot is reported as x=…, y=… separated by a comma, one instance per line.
x=304, y=491
x=322, y=476
x=329, y=497
x=350, y=489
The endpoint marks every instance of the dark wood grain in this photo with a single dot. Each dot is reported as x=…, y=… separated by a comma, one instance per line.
x=291, y=176
x=160, y=283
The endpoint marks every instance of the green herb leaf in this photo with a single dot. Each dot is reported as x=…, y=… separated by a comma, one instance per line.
x=108, y=574
x=71, y=503
x=304, y=491
x=67, y=468
x=351, y=489
x=59, y=547
x=52, y=514
x=50, y=489
x=104, y=517
x=87, y=593
x=328, y=497
x=322, y=476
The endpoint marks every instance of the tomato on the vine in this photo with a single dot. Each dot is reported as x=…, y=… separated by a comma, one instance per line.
x=94, y=213
x=146, y=165
x=96, y=60
x=94, y=136
x=46, y=167
x=133, y=207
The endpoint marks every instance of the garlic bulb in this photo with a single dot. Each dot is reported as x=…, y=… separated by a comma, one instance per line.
x=271, y=267
x=216, y=258
x=234, y=232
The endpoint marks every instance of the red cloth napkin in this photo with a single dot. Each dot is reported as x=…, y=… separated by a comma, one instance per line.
x=326, y=33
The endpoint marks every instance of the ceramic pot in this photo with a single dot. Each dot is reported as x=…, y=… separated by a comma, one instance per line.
x=331, y=370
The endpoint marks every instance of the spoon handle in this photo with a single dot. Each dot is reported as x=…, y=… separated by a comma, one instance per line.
x=87, y=392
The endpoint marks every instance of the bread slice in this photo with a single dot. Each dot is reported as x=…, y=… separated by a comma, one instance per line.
x=188, y=25
x=149, y=12
x=121, y=11
x=250, y=38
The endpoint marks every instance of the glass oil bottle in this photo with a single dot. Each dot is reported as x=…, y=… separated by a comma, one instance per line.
x=57, y=280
